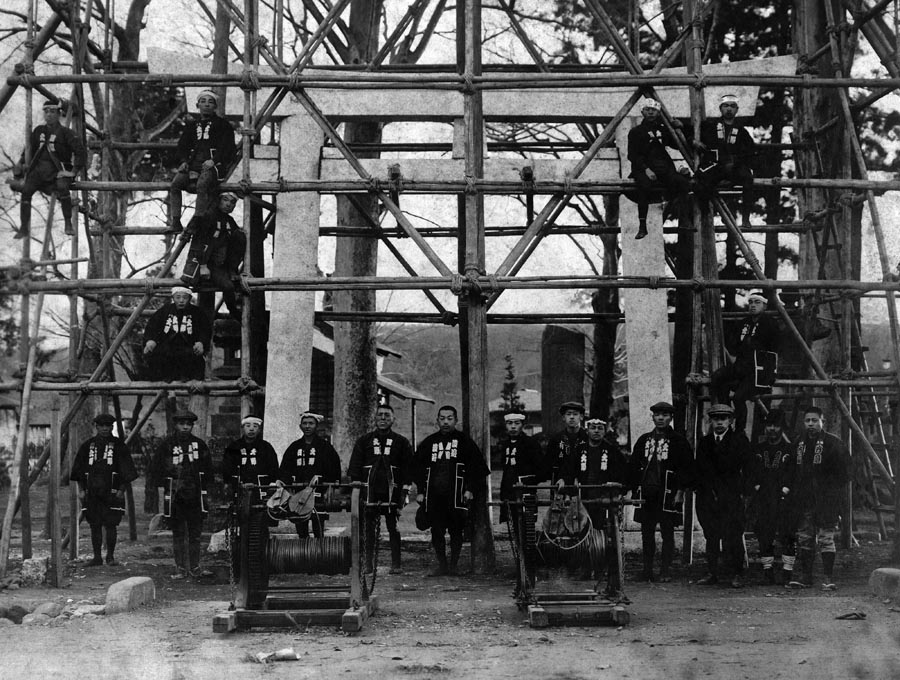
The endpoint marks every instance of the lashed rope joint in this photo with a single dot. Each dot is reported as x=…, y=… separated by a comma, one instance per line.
x=456, y=283
x=249, y=79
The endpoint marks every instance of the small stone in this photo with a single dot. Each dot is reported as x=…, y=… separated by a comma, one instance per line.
x=12, y=586
x=34, y=571
x=85, y=609
x=35, y=619
x=50, y=609
x=6, y=622
x=16, y=613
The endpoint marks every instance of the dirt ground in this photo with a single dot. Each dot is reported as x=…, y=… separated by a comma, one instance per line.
x=463, y=627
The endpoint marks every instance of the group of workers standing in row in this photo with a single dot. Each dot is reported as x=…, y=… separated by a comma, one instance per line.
x=792, y=488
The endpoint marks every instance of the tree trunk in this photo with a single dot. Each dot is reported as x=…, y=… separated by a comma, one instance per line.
x=355, y=366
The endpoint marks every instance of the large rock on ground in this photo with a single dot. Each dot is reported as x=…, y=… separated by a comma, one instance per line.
x=34, y=571
x=130, y=594
x=885, y=582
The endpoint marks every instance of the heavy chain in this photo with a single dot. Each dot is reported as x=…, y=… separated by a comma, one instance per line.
x=232, y=545
x=368, y=587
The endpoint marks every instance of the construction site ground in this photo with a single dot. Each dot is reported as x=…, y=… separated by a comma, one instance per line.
x=462, y=626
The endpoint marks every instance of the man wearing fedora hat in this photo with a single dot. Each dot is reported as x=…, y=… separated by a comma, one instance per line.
x=726, y=154
x=660, y=462
x=651, y=163
x=176, y=338
x=720, y=479
x=182, y=465
x=571, y=441
x=755, y=333
x=205, y=149
x=57, y=158
x=310, y=459
x=103, y=467
x=383, y=459
x=770, y=482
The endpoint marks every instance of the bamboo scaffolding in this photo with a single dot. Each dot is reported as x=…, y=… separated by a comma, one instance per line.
x=351, y=79
x=160, y=286
x=455, y=186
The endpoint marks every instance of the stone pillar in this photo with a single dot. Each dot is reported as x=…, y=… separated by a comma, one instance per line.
x=646, y=311
x=291, y=313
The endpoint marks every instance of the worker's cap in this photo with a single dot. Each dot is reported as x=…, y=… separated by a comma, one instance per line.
x=774, y=417
x=181, y=290
x=571, y=406
x=185, y=416
x=52, y=105
x=208, y=93
x=649, y=103
x=514, y=417
x=721, y=410
x=758, y=295
x=253, y=420
x=595, y=420
x=662, y=407
x=728, y=99
x=104, y=419
x=314, y=416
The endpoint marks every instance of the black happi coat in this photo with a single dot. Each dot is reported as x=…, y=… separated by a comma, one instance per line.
x=175, y=331
x=733, y=143
x=57, y=148
x=771, y=468
x=820, y=475
x=600, y=464
x=246, y=462
x=381, y=459
x=182, y=465
x=521, y=464
x=647, y=144
x=207, y=139
x=446, y=466
x=655, y=454
x=304, y=460
x=103, y=466
x=560, y=448
x=760, y=333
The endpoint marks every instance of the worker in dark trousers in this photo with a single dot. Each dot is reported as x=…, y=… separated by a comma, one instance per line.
x=103, y=469
x=726, y=154
x=769, y=481
x=658, y=470
x=383, y=459
x=182, y=465
x=448, y=465
x=723, y=462
x=821, y=463
x=651, y=166
x=521, y=464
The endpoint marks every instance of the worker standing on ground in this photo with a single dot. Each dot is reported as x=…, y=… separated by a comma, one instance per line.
x=723, y=461
x=658, y=469
x=570, y=442
x=182, y=465
x=448, y=466
x=383, y=460
x=103, y=468
x=820, y=477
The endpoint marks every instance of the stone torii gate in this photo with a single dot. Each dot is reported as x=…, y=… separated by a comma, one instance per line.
x=301, y=158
